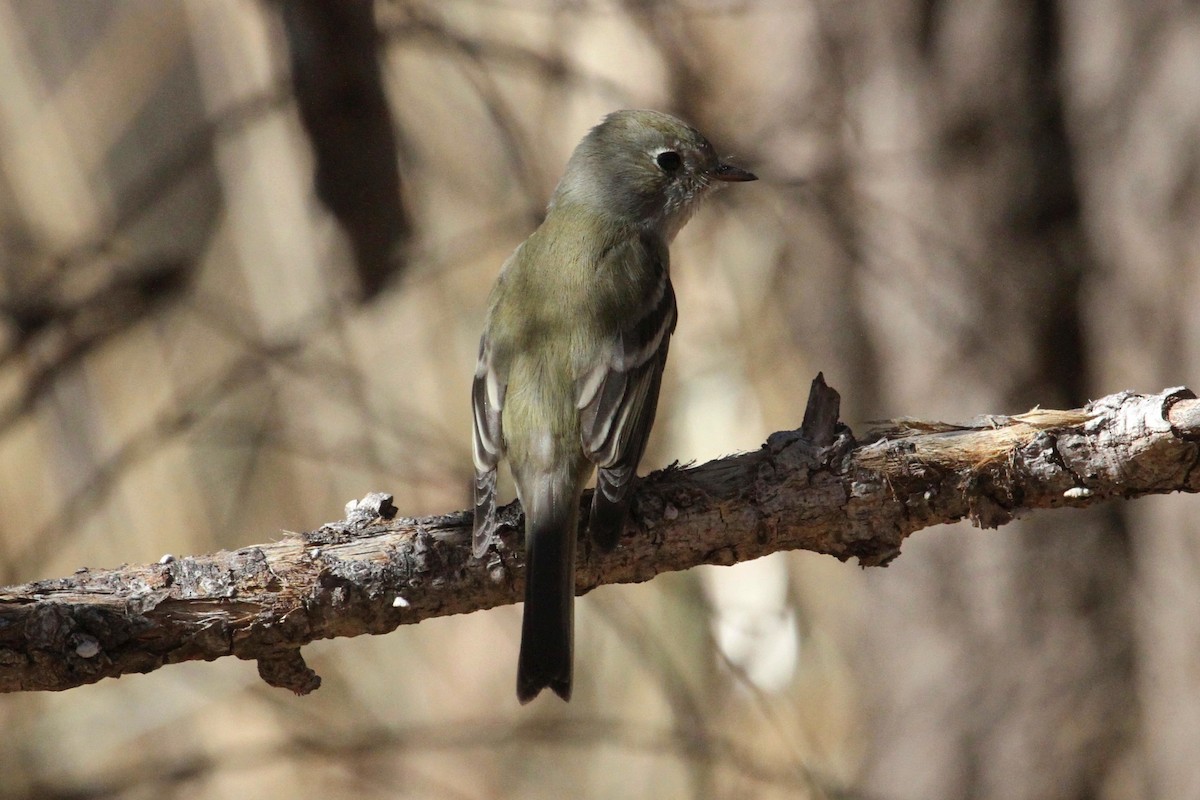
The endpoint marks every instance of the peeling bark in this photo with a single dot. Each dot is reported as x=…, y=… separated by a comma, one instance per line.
x=374, y=571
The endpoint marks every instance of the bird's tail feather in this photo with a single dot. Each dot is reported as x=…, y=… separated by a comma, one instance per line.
x=547, y=630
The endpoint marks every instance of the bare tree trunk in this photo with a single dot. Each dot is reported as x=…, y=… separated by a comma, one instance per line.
x=1002, y=664
x=1135, y=114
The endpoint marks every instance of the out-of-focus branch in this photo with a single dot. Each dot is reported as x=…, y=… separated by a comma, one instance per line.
x=373, y=571
x=342, y=103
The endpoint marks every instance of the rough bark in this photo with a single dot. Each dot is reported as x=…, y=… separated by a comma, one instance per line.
x=374, y=571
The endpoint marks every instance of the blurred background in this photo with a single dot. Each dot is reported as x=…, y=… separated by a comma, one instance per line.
x=245, y=251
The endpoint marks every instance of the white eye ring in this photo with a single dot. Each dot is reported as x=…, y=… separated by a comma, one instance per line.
x=668, y=160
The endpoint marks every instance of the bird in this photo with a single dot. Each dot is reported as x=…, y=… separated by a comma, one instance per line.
x=572, y=355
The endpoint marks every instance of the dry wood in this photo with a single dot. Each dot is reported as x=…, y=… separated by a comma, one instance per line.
x=374, y=571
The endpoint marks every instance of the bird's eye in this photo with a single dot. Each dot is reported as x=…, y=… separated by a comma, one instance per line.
x=669, y=161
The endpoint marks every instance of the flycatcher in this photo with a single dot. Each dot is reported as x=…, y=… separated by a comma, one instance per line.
x=571, y=359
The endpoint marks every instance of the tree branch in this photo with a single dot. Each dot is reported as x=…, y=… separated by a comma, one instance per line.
x=374, y=571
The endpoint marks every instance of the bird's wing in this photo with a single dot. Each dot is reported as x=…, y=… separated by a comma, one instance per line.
x=618, y=396
x=487, y=401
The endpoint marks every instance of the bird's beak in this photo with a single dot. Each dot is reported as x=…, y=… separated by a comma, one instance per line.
x=732, y=174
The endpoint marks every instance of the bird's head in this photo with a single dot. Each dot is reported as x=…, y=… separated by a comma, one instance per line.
x=644, y=166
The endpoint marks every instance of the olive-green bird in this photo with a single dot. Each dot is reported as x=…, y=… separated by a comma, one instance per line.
x=571, y=359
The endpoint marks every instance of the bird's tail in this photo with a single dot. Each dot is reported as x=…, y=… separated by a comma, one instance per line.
x=547, y=630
